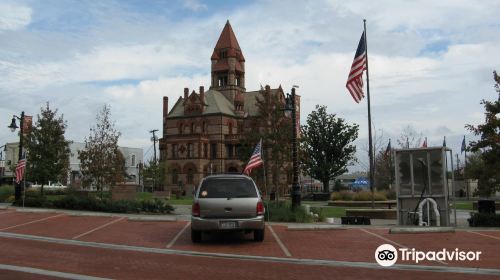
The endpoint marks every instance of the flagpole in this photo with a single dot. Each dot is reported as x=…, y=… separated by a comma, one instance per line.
x=369, y=117
x=465, y=167
x=264, y=165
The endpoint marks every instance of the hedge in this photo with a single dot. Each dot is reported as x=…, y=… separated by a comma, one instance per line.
x=73, y=202
x=484, y=220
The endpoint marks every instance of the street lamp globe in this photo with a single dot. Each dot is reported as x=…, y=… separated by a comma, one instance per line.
x=13, y=125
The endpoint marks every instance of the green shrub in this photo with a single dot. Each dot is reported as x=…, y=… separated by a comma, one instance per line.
x=156, y=206
x=367, y=196
x=282, y=212
x=484, y=220
x=6, y=191
x=390, y=194
x=91, y=203
x=342, y=195
x=31, y=201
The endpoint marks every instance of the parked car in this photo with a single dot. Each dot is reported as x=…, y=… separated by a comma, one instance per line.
x=227, y=203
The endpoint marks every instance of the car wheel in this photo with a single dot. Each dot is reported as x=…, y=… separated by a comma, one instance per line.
x=258, y=235
x=195, y=236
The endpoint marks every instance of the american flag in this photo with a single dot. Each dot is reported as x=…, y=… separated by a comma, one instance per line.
x=21, y=166
x=424, y=145
x=355, y=81
x=388, y=149
x=255, y=159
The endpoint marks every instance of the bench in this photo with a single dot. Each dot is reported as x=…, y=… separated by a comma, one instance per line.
x=355, y=220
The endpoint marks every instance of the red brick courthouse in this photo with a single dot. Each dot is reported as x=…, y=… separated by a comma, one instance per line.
x=202, y=131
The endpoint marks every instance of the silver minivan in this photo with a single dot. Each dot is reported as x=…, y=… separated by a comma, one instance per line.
x=227, y=203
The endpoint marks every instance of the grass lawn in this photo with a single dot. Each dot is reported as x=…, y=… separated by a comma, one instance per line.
x=143, y=195
x=331, y=212
x=464, y=205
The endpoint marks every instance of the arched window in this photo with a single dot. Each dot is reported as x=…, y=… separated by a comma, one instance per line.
x=192, y=128
x=175, y=177
x=181, y=128
x=190, y=176
x=230, y=128
x=132, y=161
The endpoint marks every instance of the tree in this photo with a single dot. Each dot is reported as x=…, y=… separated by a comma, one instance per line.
x=101, y=162
x=48, y=150
x=275, y=131
x=326, y=143
x=154, y=172
x=409, y=138
x=488, y=144
x=383, y=170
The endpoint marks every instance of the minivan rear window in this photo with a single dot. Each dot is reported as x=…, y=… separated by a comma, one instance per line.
x=227, y=188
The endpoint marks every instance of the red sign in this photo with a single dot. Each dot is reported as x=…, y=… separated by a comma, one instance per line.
x=27, y=122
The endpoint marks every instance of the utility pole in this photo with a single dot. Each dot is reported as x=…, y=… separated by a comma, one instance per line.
x=154, y=153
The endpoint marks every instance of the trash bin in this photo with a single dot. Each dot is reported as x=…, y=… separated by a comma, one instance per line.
x=486, y=206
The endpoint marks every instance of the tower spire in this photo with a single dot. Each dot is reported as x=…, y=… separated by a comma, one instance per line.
x=228, y=64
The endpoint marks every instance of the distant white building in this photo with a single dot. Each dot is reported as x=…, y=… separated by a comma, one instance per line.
x=133, y=156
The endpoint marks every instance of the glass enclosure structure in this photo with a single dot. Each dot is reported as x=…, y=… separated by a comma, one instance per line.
x=423, y=173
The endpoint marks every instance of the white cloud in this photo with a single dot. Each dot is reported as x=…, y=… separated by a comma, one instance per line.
x=132, y=64
x=194, y=5
x=14, y=17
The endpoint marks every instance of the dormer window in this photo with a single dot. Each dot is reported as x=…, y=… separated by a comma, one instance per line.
x=223, y=54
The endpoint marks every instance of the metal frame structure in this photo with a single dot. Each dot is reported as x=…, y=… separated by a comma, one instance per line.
x=435, y=183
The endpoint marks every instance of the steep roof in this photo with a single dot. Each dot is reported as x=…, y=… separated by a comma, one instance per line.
x=227, y=38
x=251, y=101
x=216, y=103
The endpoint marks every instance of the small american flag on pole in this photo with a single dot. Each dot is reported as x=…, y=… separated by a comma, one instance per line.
x=355, y=80
x=20, y=167
x=255, y=159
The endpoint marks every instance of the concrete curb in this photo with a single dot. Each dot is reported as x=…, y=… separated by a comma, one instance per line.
x=397, y=230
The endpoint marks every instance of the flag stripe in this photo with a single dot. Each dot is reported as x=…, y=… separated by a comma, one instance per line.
x=255, y=159
x=355, y=80
x=21, y=166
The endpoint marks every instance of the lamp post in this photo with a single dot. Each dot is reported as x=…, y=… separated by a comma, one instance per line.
x=13, y=128
x=290, y=108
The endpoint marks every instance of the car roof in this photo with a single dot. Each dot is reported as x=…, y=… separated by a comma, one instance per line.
x=227, y=176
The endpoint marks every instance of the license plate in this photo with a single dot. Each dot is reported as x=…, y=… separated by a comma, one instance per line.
x=228, y=225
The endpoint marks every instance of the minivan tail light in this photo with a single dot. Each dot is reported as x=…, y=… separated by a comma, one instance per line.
x=260, y=208
x=195, y=210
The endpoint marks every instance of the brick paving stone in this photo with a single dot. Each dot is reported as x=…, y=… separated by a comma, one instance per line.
x=64, y=226
x=17, y=218
x=340, y=245
x=8, y=274
x=231, y=243
x=121, y=264
x=155, y=234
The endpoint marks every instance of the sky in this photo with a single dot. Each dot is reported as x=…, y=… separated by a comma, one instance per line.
x=430, y=62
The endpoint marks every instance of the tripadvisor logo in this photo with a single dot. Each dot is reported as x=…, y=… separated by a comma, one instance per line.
x=387, y=255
